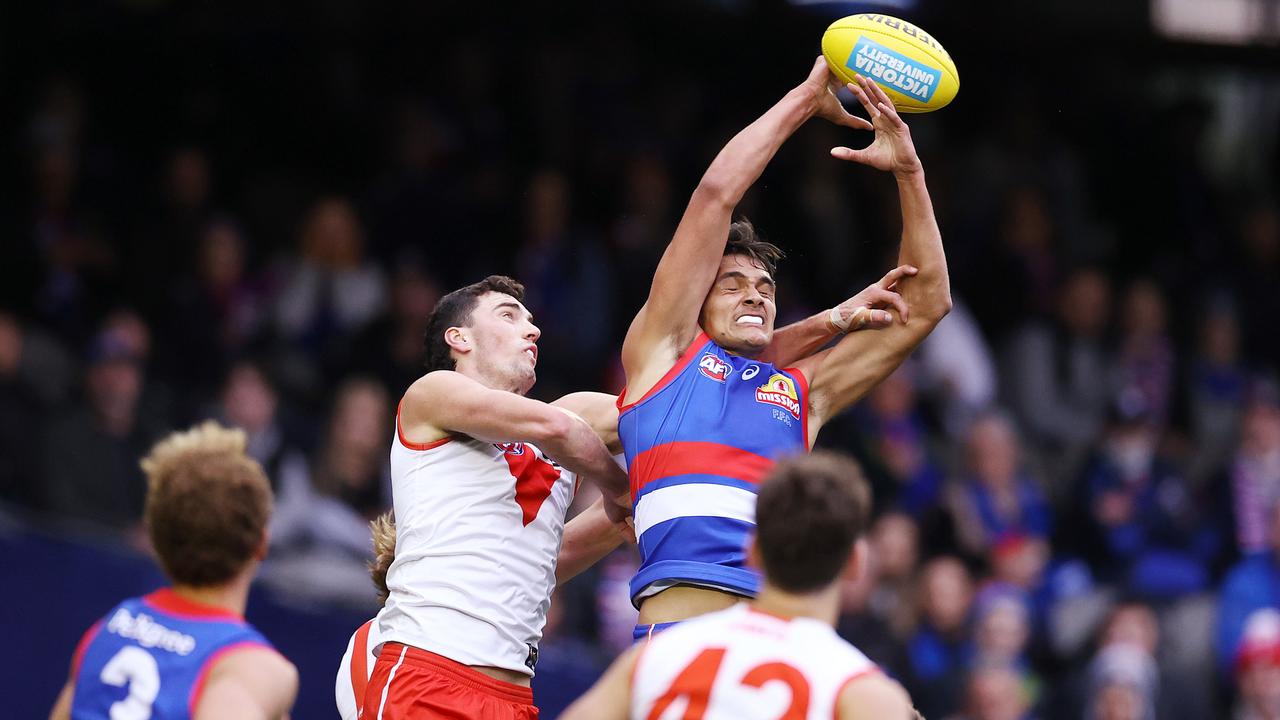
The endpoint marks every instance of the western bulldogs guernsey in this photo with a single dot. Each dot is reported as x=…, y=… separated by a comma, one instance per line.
x=149, y=657
x=696, y=446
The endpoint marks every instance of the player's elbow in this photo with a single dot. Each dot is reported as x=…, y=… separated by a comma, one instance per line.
x=552, y=428
x=716, y=189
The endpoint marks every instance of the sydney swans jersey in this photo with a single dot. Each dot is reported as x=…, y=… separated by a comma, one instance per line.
x=697, y=444
x=739, y=664
x=355, y=668
x=478, y=533
x=149, y=657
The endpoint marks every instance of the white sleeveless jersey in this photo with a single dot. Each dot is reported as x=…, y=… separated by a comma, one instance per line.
x=478, y=533
x=742, y=664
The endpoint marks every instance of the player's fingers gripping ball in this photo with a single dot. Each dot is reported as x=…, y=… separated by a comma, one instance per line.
x=912, y=67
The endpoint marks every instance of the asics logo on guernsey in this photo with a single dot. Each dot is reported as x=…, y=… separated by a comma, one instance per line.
x=149, y=633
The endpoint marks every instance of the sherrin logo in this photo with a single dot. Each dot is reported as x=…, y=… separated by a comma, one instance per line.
x=780, y=391
x=713, y=367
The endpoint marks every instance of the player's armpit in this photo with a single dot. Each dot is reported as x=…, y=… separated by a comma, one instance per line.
x=874, y=697
x=610, y=697
x=252, y=683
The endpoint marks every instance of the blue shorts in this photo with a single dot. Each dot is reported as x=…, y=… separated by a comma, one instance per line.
x=647, y=631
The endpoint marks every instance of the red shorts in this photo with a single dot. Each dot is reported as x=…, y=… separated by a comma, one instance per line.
x=408, y=682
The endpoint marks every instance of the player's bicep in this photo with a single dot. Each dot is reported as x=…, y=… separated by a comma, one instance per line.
x=454, y=403
x=841, y=375
x=610, y=697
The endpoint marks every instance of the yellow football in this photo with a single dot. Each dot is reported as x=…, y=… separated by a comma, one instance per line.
x=912, y=67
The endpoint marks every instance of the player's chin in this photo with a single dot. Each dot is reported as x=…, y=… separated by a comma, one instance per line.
x=751, y=340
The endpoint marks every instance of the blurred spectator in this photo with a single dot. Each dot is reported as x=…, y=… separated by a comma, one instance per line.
x=1215, y=389
x=940, y=649
x=1257, y=668
x=895, y=552
x=1145, y=360
x=996, y=692
x=1058, y=373
x=1252, y=585
x=1153, y=534
x=568, y=665
x=320, y=531
x=331, y=290
x=1002, y=628
x=957, y=369
x=567, y=277
x=213, y=316
x=891, y=425
x=174, y=238
x=90, y=454
x=998, y=500
x=391, y=349
x=249, y=401
x=1255, y=471
x=1123, y=684
x=1014, y=283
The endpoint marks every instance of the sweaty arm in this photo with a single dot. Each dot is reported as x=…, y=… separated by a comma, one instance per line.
x=668, y=321
x=254, y=684
x=610, y=697
x=839, y=376
x=445, y=402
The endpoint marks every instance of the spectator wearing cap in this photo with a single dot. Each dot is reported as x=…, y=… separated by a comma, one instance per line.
x=90, y=454
x=1257, y=668
x=1250, y=586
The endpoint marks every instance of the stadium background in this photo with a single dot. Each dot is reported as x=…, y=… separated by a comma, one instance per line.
x=244, y=211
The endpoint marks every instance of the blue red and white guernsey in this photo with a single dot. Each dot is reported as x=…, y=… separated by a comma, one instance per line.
x=149, y=657
x=697, y=445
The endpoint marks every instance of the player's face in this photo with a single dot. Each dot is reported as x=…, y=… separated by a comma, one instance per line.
x=506, y=341
x=739, y=311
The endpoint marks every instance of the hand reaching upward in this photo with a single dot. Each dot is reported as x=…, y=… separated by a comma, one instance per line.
x=892, y=149
x=821, y=86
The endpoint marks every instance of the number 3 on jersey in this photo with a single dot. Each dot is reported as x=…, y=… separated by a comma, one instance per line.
x=697, y=679
x=535, y=476
x=136, y=668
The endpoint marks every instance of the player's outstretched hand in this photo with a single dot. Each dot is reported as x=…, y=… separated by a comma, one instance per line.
x=868, y=310
x=892, y=149
x=820, y=87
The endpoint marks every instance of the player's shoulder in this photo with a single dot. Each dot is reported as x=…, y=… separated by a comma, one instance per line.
x=434, y=382
x=255, y=662
x=873, y=694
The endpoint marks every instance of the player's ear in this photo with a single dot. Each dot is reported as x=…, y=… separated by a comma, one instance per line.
x=458, y=339
x=260, y=552
x=859, y=563
x=753, y=553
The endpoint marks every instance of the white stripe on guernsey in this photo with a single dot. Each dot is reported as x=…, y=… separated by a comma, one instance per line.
x=382, y=703
x=694, y=500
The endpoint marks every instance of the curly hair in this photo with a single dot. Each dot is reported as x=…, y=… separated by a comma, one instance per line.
x=383, y=529
x=455, y=310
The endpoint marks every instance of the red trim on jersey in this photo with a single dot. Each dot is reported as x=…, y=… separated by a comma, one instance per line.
x=803, y=382
x=681, y=364
x=168, y=601
x=193, y=701
x=869, y=670
x=360, y=665
x=78, y=656
x=696, y=458
x=413, y=445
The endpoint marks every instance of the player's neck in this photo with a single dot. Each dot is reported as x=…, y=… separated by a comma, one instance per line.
x=822, y=605
x=233, y=596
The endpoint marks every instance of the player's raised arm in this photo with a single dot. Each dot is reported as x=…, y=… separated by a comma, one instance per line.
x=844, y=373
x=864, y=311
x=668, y=321
x=445, y=402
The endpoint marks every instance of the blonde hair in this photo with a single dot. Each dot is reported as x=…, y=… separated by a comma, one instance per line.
x=208, y=504
x=383, y=529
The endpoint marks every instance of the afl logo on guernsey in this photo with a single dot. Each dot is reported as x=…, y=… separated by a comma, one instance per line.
x=713, y=367
x=780, y=391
